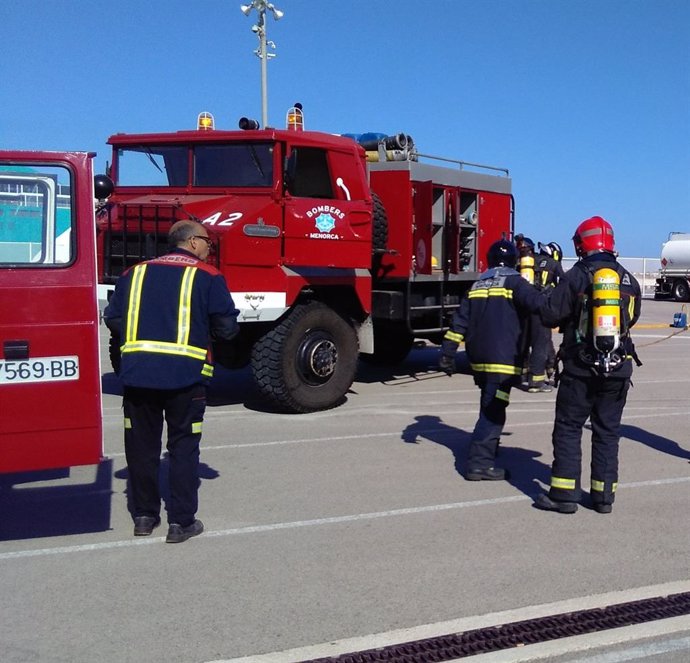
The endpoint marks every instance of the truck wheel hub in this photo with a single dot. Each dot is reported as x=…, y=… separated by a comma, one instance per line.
x=320, y=358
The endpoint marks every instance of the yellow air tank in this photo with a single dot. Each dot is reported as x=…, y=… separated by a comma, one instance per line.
x=527, y=268
x=606, y=310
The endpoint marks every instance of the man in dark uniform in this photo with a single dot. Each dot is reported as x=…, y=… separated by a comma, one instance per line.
x=165, y=312
x=491, y=320
x=597, y=355
x=547, y=273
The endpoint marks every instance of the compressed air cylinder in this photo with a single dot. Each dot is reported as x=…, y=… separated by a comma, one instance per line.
x=527, y=268
x=606, y=310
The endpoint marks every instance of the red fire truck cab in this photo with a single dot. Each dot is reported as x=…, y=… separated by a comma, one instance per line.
x=331, y=245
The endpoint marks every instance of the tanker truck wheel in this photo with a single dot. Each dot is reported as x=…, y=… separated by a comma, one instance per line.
x=308, y=361
x=681, y=292
x=379, y=237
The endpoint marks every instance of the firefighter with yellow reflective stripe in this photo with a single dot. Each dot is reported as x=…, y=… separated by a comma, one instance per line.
x=165, y=312
x=595, y=303
x=491, y=321
x=547, y=272
x=550, y=268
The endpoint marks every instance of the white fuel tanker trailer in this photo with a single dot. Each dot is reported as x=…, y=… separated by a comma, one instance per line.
x=674, y=277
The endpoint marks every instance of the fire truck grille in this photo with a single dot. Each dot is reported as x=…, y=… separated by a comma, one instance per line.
x=519, y=634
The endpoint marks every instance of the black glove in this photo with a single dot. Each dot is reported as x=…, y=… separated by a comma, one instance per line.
x=447, y=364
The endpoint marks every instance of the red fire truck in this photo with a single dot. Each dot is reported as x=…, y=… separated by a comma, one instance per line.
x=331, y=245
x=50, y=378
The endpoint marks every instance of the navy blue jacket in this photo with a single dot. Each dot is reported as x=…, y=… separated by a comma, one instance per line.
x=165, y=312
x=491, y=320
x=565, y=305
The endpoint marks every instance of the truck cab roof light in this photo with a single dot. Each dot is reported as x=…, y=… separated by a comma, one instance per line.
x=205, y=122
x=295, y=118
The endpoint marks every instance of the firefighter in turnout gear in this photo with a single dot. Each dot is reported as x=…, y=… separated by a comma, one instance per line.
x=165, y=312
x=534, y=378
x=548, y=272
x=491, y=321
x=596, y=303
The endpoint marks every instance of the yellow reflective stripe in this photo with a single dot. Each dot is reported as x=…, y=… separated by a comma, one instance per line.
x=631, y=308
x=207, y=370
x=196, y=426
x=453, y=336
x=128, y=423
x=184, y=314
x=134, y=303
x=539, y=378
x=502, y=395
x=565, y=484
x=599, y=486
x=162, y=347
x=491, y=292
x=497, y=368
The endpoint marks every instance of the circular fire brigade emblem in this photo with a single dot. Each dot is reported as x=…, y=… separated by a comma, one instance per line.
x=325, y=223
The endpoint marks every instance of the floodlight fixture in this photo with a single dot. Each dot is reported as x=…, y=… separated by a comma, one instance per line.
x=262, y=6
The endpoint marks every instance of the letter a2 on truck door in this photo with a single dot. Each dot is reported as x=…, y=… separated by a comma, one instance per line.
x=50, y=392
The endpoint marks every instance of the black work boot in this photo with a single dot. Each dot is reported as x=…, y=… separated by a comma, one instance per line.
x=179, y=534
x=603, y=508
x=488, y=474
x=144, y=525
x=545, y=503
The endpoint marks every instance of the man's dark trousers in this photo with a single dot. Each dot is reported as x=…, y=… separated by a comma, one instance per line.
x=489, y=426
x=144, y=411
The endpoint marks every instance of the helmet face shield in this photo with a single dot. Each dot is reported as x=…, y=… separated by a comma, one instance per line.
x=545, y=249
x=593, y=235
x=556, y=251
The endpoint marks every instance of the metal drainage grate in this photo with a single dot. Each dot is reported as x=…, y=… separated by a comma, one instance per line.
x=528, y=632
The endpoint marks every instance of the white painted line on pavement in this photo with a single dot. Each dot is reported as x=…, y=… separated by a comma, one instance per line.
x=316, y=522
x=447, y=428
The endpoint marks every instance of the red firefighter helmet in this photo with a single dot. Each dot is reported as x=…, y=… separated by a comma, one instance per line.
x=593, y=235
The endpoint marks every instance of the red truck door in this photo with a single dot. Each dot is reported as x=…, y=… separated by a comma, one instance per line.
x=327, y=221
x=50, y=389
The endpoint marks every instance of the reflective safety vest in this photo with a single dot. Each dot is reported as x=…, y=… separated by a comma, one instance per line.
x=165, y=304
x=491, y=321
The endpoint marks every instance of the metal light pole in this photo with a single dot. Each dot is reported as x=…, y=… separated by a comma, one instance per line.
x=261, y=7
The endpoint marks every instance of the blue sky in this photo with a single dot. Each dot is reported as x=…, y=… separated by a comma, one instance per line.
x=586, y=102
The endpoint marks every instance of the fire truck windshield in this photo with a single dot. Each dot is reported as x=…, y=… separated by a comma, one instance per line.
x=241, y=164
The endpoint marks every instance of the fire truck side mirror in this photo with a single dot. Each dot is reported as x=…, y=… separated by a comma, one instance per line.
x=103, y=187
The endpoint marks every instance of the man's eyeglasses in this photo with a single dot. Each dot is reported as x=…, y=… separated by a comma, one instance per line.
x=208, y=240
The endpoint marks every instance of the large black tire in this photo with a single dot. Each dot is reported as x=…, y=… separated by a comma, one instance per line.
x=392, y=343
x=308, y=361
x=379, y=239
x=681, y=291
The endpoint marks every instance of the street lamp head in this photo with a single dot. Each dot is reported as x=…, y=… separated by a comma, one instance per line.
x=277, y=14
x=246, y=9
